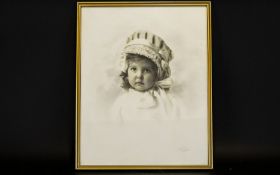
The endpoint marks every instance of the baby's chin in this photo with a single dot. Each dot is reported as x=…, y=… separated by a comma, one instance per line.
x=141, y=88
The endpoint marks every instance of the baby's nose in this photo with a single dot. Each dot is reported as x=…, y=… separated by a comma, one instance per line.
x=139, y=74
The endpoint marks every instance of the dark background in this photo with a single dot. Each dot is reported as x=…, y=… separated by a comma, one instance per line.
x=37, y=52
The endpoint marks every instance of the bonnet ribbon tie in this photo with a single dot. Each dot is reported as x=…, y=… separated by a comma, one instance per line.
x=165, y=83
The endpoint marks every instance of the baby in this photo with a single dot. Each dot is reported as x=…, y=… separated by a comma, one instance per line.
x=146, y=79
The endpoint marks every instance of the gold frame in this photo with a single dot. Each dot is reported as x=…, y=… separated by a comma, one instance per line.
x=78, y=84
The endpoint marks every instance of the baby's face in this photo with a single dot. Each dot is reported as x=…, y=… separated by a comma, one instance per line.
x=141, y=73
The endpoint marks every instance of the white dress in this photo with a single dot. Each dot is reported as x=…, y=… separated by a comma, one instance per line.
x=149, y=105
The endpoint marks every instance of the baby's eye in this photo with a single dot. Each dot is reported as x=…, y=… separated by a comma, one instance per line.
x=133, y=69
x=147, y=70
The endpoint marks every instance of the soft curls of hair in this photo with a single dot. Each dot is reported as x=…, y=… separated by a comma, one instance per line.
x=124, y=84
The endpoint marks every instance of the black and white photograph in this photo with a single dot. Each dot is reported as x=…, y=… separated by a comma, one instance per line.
x=140, y=87
x=143, y=94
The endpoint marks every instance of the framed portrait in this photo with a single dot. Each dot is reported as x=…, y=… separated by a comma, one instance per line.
x=143, y=85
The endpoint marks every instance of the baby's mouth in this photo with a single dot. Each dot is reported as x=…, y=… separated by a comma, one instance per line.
x=139, y=83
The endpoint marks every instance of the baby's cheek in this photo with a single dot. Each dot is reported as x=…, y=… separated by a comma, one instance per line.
x=131, y=75
x=150, y=79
